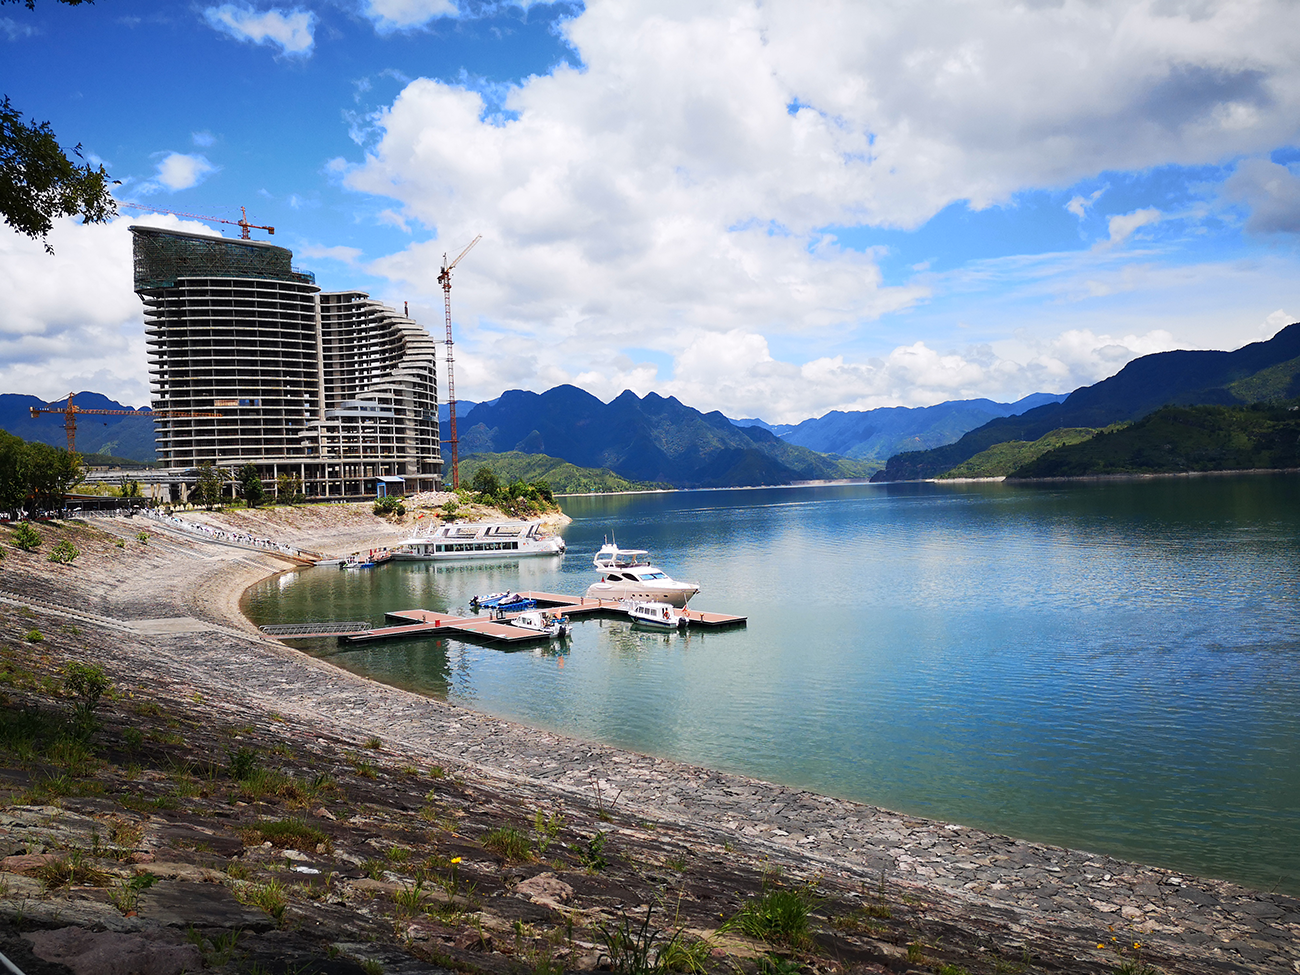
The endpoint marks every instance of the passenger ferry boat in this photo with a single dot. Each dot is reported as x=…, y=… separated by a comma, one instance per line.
x=626, y=573
x=481, y=540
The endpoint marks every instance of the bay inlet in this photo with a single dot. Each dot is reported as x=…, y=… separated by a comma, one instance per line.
x=1107, y=666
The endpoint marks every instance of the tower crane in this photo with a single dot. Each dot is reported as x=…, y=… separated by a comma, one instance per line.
x=70, y=413
x=444, y=279
x=242, y=223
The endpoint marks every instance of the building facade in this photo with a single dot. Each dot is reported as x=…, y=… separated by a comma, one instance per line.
x=334, y=388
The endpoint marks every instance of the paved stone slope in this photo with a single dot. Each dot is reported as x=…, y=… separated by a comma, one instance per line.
x=1058, y=903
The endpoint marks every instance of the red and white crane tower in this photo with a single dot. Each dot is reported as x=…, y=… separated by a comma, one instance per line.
x=242, y=223
x=444, y=279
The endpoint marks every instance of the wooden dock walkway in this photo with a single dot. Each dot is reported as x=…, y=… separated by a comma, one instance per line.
x=427, y=622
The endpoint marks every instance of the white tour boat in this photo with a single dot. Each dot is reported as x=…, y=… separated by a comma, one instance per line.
x=552, y=624
x=626, y=573
x=480, y=540
x=649, y=613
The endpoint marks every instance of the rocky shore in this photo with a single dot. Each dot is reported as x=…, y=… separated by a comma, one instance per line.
x=288, y=816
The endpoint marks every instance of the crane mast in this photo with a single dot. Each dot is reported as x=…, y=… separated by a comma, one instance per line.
x=444, y=279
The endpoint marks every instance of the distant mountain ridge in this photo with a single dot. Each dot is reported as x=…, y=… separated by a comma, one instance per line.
x=122, y=436
x=876, y=435
x=1268, y=369
x=650, y=438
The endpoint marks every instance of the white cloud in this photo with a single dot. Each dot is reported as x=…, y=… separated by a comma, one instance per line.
x=1079, y=205
x=671, y=192
x=290, y=30
x=16, y=30
x=71, y=321
x=391, y=15
x=1122, y=226
x=1271, y=191
x=179, y=171
x=344, y=255
x=203, y=139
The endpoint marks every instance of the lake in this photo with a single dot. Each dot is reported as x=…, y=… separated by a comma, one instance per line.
x=1110, y=666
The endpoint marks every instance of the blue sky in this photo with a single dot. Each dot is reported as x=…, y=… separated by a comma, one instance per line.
x=770, y=209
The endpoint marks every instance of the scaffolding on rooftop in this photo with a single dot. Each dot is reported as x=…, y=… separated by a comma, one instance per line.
x=164, y=256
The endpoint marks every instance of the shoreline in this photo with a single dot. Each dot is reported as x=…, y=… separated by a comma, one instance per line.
x=1000, y=478
x=178, y=607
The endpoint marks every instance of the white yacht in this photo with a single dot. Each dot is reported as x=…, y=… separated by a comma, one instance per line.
x=481, y=540
x=626, y=573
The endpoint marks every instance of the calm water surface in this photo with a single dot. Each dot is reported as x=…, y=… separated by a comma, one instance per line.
x=1114, y=667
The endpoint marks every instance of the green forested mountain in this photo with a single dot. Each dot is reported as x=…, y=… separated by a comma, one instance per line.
x=648, y=439
x=563, y=477
x=1005, y=458
x=1261, y=370
x=1183, y=438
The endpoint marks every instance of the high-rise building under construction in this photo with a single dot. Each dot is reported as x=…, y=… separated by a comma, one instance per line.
x=333, y=388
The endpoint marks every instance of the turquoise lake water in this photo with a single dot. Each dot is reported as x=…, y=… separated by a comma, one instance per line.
x=1108, y=666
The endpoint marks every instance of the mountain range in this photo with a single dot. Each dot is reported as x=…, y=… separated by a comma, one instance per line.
x=650, y=438
x=876, y=435
x=1255, y=372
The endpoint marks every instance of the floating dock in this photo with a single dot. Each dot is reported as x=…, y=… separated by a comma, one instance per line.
x=425, y=622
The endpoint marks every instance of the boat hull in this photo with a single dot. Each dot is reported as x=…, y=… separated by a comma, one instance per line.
x=678, y=595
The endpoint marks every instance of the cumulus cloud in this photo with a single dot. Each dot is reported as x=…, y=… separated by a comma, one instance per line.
x=71, y=321
x=391, y=15
x=1271, y=191
x=290, y=30
x=179, y=171
x=677, y=185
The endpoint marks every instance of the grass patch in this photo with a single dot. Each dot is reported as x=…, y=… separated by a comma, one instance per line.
x=270, y=897
x=778, y=916
x=72, y=871
x=510, y=843
x=285, y=834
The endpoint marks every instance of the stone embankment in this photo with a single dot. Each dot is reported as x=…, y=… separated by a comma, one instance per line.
x=941, y=894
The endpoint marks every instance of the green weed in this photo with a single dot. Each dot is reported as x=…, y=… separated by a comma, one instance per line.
x=778, y=916
x=509, y=843
x=593, y=857
x=64, y=553
x=125, y=894
x=25, y=537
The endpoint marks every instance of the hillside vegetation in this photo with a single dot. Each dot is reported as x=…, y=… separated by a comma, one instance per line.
x=1261, y=370
x=1183, y=438
x=1004, y=458
x=563, y=477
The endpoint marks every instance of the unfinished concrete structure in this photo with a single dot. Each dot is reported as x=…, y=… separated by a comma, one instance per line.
x=334, y=388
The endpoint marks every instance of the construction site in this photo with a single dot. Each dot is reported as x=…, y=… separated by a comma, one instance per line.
x=251, y=363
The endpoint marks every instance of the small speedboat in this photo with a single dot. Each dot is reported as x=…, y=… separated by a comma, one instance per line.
x=659, y=615
x=553, y=625
x=356, y=563
x=498, y=603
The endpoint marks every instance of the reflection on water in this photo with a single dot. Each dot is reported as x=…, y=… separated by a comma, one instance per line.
x=1109, y=666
